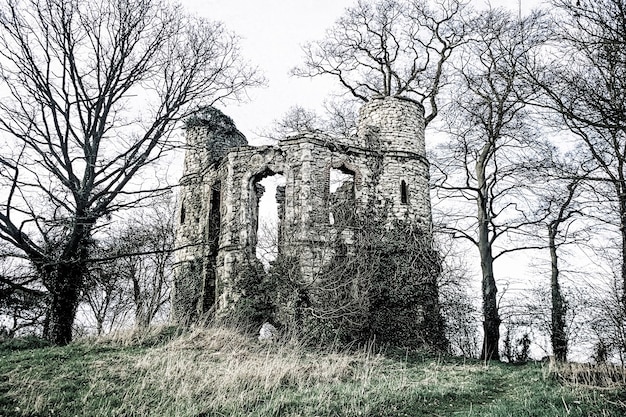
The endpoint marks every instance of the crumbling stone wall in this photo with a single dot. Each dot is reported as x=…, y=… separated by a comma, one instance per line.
x=220, y=191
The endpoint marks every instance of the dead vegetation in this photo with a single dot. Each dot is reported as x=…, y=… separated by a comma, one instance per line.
x=604, y=375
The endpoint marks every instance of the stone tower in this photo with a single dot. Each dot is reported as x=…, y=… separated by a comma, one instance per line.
x=210, y=136
x=330, y=183
x=395, y=127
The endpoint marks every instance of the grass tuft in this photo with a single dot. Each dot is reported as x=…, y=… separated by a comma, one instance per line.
x=587, y=374
x=150, y=337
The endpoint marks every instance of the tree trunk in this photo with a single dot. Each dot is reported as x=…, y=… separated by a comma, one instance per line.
x=65, y=283
x=491, y=323
x=622, y=215
x=491, y=318
x=559, y=309
x=141, y=321
x=64, y=278
x=99, y=326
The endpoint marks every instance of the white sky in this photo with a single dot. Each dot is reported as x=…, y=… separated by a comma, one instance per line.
x=272, y=32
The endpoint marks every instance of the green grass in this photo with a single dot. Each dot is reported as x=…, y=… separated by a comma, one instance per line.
x=218, y=372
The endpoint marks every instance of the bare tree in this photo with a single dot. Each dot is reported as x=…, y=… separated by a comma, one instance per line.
x=535, y=309
x=560, y=204
x=338, y=119
x=604, y=311
x=132, y=277
x=559, y=305
x=297, y=119
x=91, y=93
x=106, y=296
x=458, y=307
x=389, y=47
x=586, y=86
x=493, y=142
x=22, y=299
x=147, y=264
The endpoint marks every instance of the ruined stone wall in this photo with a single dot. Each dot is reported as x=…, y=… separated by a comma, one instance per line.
x=218, y=209
x=210, y=135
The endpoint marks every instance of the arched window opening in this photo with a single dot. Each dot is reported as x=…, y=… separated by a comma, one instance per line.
x=404, y=192
x=267, y=216
x=341, y=201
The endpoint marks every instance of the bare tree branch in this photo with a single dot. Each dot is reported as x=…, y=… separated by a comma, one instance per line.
x=389, y=48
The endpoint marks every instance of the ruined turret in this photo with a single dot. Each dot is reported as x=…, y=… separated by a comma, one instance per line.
x=398, y=122
x=211, y=133
x=210, y=136
x=343, y=203
x=394, y=127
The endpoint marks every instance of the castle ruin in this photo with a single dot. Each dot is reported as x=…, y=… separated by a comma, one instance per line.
x=383, y=172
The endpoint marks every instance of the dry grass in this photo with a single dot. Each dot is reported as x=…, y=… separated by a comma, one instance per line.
x=594, y=375
x=221, y=372
x=227, y=370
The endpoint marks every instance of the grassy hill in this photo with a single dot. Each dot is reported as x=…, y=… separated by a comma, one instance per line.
x=219, y=372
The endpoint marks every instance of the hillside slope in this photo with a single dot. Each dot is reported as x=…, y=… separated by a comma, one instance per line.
x=219, y=372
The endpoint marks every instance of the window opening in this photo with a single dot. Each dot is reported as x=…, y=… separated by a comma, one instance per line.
x=404, y=192
x=214, y=223
x=270, y=196
x=182, y=214
x=341, y=207
x=215, y=216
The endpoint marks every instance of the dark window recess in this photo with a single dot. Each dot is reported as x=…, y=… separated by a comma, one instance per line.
x=210, y=265
x=214, y=218
x=404, y=193
x=182, y=214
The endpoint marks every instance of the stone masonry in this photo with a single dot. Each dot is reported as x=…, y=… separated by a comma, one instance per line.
x=218, y=212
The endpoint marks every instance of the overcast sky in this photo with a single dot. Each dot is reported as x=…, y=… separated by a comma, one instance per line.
x=272, y=32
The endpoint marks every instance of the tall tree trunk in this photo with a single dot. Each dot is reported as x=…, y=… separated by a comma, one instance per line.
x=559, y=308
x=622, y=212
x=99, y=325
x=622, y=215
x=491, y=318
x=141, y=321
x=64, y=278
